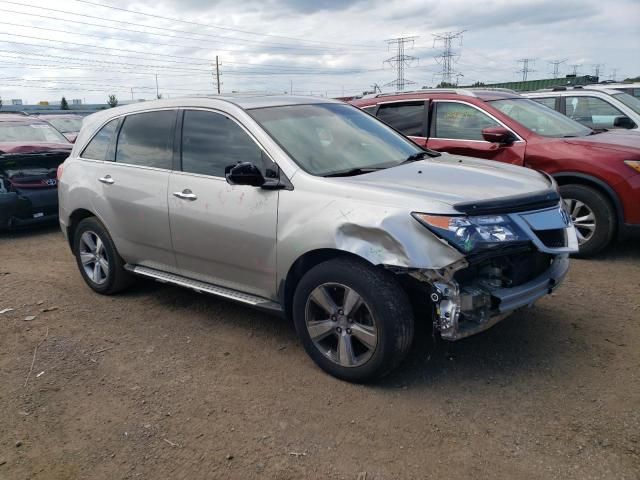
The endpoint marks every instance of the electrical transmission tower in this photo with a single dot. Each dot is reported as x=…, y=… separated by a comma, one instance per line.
x=556, y=67
x=447, y=58
x=400, y=61
x=597, y=68
x=613, y=74
x=526, y=69
x=575, y=68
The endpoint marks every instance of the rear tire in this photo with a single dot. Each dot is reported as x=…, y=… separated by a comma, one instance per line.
x=593, y=215
x=98, y=260
x=369, y=321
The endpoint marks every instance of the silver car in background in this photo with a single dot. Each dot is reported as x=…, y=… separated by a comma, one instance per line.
x=315, y=210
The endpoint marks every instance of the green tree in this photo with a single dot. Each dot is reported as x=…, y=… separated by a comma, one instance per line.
x=112, y=101
x=446, y=85
x=478, y=84
x=0, y=103
x=63, y=104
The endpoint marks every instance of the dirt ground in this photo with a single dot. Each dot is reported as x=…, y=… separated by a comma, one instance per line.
x=164, y=383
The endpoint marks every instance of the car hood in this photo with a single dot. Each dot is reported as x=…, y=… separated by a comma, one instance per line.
x=453, y=179
x=619, y=140
x=21, y=147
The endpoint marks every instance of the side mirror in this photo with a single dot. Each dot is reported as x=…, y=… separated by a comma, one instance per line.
x=244, y=173
x=623, y=122
x=498, y=135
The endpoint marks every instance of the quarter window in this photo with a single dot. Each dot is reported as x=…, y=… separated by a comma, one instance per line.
x=146, y=139
x=592, y=112
x=461, y=122
x=99, y=146
x=211, y=142
x=407, y=118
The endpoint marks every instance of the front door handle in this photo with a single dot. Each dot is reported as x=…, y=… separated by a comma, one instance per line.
x=186, y=194
x=107, y=179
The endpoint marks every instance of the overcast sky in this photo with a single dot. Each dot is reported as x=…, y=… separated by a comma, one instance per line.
x=80, y=49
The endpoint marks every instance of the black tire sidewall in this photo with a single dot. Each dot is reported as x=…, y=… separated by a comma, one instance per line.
x=385, y=299
x=603, y=212
x=93, y=225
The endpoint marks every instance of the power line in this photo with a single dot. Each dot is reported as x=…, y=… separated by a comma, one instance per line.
x=219, y=38
x=526, y=69
x=400, y=61
x=447, y=58
x=556, y=66
x=296, y=39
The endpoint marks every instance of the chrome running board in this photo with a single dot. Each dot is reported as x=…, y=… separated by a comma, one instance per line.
x=203, y=287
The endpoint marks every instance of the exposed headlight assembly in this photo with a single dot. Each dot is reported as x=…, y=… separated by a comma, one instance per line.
x=469, y=234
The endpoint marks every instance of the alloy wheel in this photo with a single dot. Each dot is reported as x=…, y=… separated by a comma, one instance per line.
x=341, y=324
x=93, y=257
x=583, y=219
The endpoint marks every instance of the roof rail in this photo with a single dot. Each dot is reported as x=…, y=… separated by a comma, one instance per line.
x=457, y=91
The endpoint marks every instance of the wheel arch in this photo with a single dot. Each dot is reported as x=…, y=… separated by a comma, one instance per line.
x=567, y=178
x=302, y=265
x=74, y=219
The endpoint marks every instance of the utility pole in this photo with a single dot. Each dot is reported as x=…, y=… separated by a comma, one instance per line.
x=131, y=93
x=556, y=67
x=575, y=67
x=400, y=61
x=526, y=69
x=613, y=74
x=376, y=88
x=447, y=58
x=217, y=74
x=290, y=87
x=157, y=91
x=597, y=68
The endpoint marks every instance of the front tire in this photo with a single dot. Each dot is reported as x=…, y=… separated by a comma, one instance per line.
x=593, y=217
x=100, y=265
x=354, y=320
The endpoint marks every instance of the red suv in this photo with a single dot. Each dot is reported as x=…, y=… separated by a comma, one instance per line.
x=598, y=173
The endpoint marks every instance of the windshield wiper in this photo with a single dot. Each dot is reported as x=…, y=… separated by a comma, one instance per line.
x=420, y=155
x=351, y=172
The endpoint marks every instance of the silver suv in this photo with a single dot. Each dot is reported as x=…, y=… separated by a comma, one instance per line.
x=595, y=106
x=316, y=210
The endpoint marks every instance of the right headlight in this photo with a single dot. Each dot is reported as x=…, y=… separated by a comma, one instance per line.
x=472, y=233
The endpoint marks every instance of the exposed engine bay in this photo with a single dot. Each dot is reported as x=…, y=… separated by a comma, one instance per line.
x=477, y=293
x=18, y=171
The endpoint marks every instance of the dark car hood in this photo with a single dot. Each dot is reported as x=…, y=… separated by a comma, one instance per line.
x=618, y=140
x=20, y=147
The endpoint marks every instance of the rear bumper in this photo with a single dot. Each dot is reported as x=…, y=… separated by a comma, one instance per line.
x=467, y=313
x=33, y=208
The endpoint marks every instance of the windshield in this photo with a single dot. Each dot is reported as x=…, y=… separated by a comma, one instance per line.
x=30, y=132
x=540, y=119
x=629, y=100
x=66, y=125
x=329, y=138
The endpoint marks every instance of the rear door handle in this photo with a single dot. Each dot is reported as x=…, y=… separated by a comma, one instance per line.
x=107, y=179
x=186, y=194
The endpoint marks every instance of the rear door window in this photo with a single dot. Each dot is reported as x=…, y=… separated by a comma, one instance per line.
x=99, y=148
x=408, y=118
x=146, y=139
x=592, y=111
x=211, y=142
x=458, y=121
x=547, y=101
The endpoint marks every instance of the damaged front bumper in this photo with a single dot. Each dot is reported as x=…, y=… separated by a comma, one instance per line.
x=35, y=207
x=464, y=309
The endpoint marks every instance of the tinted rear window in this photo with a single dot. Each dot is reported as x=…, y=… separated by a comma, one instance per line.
x=146, y=139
